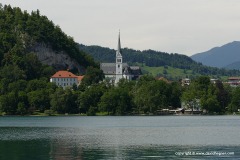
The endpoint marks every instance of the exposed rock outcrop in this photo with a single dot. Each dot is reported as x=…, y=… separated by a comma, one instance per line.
x=59, y=60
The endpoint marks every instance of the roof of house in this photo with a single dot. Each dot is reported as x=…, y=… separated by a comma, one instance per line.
x=162, y=79
x=64, y=74
x=80, y=78
x=110, y=68
x=234, y=78
x=136, y=70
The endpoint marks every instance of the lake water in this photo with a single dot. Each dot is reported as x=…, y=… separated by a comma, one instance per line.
x=130, y=137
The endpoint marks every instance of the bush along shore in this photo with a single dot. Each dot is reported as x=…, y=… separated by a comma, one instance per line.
x=146, y=96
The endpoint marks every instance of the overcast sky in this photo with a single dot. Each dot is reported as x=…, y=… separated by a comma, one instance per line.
x=173, y=26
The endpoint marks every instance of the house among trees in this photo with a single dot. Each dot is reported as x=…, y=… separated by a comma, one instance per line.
x=186, y=82
x=234, y=81
x=215, y=81
x=66, y=79
x=163, y=79
x=118, y=70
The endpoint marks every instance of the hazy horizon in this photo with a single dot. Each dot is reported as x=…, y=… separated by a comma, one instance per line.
x=185, y=27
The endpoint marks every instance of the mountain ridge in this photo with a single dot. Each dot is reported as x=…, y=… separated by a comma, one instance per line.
x=220, y=57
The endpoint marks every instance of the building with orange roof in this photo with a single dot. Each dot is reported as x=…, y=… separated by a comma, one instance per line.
x=234, y=81
x=163, y=79
x=65, y=79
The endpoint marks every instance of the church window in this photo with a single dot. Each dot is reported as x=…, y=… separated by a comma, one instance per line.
x=118, y=66
x=119, y=60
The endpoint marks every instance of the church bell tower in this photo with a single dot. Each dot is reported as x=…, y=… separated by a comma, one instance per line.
x=119, y=68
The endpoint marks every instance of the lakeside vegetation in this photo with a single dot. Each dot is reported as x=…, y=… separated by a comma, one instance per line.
x=145, y=96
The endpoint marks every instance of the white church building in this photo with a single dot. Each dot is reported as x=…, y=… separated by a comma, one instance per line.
x=118, y=70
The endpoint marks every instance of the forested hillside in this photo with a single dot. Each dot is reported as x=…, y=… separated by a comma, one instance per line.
x=21, y=31
x=24, y=80
x=155, y=59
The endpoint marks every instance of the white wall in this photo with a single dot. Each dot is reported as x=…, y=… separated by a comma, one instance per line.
x=64, y=82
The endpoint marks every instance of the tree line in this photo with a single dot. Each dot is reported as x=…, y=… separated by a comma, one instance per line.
x=144, y=96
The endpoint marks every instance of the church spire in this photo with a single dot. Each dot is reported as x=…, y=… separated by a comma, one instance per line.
x=119, y=44
x=119, y=68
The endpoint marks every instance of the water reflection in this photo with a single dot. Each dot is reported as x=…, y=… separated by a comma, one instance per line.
x=50, y=138
x=27, y=143
x=64, y=150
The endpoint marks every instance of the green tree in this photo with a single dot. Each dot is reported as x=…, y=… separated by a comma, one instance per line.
x=152, y=96
x=90, y=98
x=36, y=84
x=8, y=103
x=211, y=104
x=39, y=100
x=21, y=109
x=16, y=86
x=175, y=96
x=12, y=73
x=92, y=76
x=197, y=89
x=71, y=105
x=234, y=105
x=116, y=101
x=23, y=104
x=202, y=92
x=58, y=101
x=64, y=101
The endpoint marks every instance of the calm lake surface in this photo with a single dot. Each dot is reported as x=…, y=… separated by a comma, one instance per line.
x=130, y=137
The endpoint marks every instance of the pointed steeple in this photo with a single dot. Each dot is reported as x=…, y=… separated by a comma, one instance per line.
x=119, y=42
x=119, y=61
x=119, y=45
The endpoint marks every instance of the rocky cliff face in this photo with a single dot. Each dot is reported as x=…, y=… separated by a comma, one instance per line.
x=59, y=60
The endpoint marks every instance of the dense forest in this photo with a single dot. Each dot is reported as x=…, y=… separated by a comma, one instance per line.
x=153, y=58
x=20, y=31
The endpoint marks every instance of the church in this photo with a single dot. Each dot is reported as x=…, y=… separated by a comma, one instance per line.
x=118, y=70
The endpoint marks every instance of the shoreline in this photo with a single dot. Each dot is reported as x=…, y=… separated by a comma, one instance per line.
x=143, y=115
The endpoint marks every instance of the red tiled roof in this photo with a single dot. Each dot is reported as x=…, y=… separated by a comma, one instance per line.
x=64, y=74
x=80, y=78
x=234, y=78
x=162, y=79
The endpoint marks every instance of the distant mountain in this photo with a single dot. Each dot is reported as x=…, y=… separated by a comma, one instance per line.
x=226, y=56
x=235, y=65
x=153, y=58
